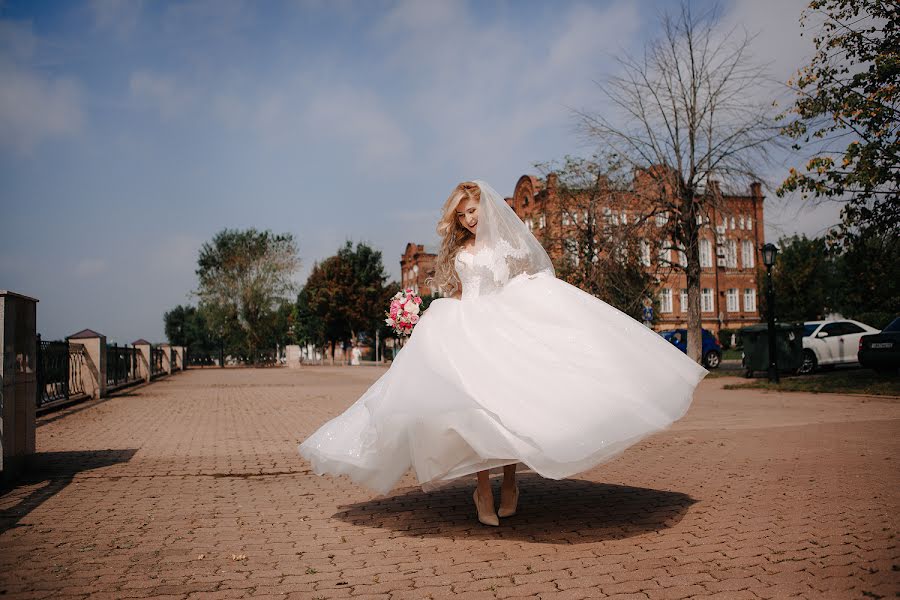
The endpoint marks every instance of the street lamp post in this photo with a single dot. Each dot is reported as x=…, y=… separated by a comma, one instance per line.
x=769, y=251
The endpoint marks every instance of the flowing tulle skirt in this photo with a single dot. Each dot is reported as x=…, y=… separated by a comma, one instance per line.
x=541, y=373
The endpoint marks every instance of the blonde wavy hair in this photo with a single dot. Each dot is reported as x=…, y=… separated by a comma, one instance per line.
x=453, y=237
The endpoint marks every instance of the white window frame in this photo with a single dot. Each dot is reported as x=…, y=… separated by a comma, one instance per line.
x=683, y=300
x=542, y=220
x=665, y=300
x=682, y=255
x=707, y=301
x=749, y=299
x=565, y=218
x=705, y=253
x=664, y=254
x=572, y=250
x=732, y=302
x=748, y=254
x=662, y=218
x=645, y=253
x=731, y=253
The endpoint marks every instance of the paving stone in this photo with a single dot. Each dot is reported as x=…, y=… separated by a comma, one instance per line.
x=192, y=488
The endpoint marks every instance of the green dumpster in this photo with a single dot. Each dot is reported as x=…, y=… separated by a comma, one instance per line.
x=788, y=347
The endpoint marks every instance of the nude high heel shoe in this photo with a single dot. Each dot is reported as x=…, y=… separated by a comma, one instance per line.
x=508, y=512
x=488, y=517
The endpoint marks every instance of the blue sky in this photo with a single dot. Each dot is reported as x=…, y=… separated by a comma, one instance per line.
x=131, y=132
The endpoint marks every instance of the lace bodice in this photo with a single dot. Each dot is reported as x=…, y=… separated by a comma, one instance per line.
x=485, y=265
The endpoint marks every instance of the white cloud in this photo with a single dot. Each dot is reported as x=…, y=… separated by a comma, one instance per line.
x=119, y=17
x=486, y=92
x=34, y=106
x=777, y=43
x=357, y=119
x=161, y=92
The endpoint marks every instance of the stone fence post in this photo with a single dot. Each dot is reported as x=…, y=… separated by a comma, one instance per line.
x=167, y=357
x=145, y=359
x=93, y=371
x=18, y=381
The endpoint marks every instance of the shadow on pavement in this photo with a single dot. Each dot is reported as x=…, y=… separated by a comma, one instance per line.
x=56, y=470
x=568, y=511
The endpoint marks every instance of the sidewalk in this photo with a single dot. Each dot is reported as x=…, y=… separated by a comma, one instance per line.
x=193, y=488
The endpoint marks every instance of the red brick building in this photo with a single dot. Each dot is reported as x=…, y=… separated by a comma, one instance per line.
x=416, y=264
x=731, y=237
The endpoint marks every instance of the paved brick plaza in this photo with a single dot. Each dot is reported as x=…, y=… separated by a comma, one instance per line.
x=192, y=488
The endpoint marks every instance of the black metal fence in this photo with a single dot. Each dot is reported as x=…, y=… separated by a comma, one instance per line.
x=59, y=367
x=156, y=361
x=122, y=365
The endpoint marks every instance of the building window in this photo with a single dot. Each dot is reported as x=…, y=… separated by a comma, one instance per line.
x=662, y=218
x=749, y=223
x=731, y=254
x=706, y=300
x=624, y=217
x=665, y=255
x=731, y=300
x=741, y=221
x=682, y=257
x=572, y=250
x=645, y=253
x=585, y=217
x=705, y=253
x=665, y=300
x=543, y=221
x=748, y=254
x=565, y=218
x=683, y=300
x=750, y=300
x=732, y=223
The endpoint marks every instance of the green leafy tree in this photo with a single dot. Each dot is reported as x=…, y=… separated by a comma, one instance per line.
x=847, y=113
x=868, y=269
x=803, y=280
x=244, y=276
x=344, y=295
x=187, y=326
x=369, y=279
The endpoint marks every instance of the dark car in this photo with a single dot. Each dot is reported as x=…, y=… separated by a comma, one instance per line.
x=712, y=349
x=881, y=351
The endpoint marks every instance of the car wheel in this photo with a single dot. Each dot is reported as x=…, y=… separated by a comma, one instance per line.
x=712, y=359
x=809, y=363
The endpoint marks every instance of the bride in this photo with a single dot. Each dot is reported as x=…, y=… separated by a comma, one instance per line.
x=512, y=366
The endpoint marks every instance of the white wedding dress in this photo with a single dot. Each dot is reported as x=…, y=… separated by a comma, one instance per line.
x=540, y=373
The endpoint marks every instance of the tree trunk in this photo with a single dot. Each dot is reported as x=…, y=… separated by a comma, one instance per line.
x=692, y=273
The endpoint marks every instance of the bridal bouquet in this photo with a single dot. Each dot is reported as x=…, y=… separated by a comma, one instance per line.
x=404, y=312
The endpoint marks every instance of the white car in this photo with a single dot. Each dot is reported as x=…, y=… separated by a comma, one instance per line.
x=831, y=343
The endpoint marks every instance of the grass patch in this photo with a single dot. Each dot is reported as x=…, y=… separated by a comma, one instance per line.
x=851, y=381
x=731, y=354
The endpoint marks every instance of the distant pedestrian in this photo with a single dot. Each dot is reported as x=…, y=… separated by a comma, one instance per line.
x=355, y=355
